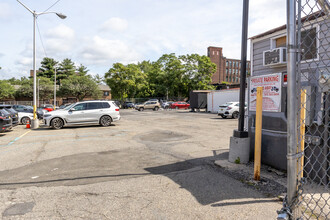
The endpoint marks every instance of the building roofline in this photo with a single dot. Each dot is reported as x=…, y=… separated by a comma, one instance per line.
x=310, y=17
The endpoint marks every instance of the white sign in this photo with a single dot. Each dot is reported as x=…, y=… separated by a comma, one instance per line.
x=271, y=86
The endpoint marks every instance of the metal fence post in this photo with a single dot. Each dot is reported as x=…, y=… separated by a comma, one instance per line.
x=292, y=103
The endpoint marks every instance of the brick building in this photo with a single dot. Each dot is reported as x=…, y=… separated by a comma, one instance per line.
x=228, y=70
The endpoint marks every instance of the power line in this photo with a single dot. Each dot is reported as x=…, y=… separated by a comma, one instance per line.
x=42, y=43
x=52, y=5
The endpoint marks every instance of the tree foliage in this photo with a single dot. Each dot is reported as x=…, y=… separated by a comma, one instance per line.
x=45, y=88
x=80, y=87
x=124, y=81
x=47, y=68
x=169, y=76
x=65, y=70
x=6, y=90
x=82, y=70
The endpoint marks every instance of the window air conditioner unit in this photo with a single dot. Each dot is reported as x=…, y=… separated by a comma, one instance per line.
x=273, y=57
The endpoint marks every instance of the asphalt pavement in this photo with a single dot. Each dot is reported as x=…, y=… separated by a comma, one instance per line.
x=148, y=165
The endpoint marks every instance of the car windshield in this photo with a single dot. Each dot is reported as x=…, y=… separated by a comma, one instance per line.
x=68, y=107
x=226, y=104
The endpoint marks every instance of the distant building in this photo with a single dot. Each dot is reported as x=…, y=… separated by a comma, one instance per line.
x=228, y=70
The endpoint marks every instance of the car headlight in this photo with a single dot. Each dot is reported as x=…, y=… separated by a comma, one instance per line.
x=47, y=115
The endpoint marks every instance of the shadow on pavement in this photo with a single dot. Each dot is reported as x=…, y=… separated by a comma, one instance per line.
x=44, y=127
x=206, y=183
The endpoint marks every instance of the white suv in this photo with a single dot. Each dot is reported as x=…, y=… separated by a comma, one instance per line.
x=230, y=109
x=83, y=113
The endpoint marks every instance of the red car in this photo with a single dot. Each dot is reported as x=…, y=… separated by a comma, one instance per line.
x=180, y=105
x=47, y=107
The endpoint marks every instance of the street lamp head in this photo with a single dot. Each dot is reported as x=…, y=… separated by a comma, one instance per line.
x=61, y=15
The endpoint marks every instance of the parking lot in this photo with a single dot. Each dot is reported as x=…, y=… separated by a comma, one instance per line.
x=150, y=164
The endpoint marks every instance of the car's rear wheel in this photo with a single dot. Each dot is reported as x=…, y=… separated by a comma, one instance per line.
x=141, y=109
x=235, y=115
x=57, y=123
x=105, y=121
x=156, y=108
x=25, y=120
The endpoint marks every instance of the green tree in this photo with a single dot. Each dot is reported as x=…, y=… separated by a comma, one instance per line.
x=82, y=70
x=26, y=88
x=47, y=68
x=6, y=90
x=14, y=81
x=170, y=77
x=79, y=87
x=98, y=79
x=150, y=72
x=65, y=70
x=198, y=71
x=126, y=81
x=46, y=88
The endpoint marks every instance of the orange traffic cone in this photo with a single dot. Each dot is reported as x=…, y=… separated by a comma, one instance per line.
x=28, y=124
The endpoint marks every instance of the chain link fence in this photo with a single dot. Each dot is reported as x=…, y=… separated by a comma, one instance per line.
x=310, y=181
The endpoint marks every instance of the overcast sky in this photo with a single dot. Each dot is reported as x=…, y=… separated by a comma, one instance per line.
x=98, y=33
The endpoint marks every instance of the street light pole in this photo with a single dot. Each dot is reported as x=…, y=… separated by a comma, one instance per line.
x=55, y=90
x=35, y=122
x=38, y=92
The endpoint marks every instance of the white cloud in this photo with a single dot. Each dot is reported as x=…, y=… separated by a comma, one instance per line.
x=266, y=15
x=116, y=24
x=4, y=10
x=103, y=51
x=61, y=31
x=59, y=39
x=6, y=73
x=25, y=61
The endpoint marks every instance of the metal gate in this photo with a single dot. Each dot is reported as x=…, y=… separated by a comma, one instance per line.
x=308, y=39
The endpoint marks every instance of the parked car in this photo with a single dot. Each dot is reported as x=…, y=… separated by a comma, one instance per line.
x=29, y=109
x=154, y=105
x=48, y=107
x=65, y=105
x=229, y=109
x=5, y=121
x=166, y=105
x=12, y=112
x=25, y=117
x=180, y=105
x=127, y=105
x=84, y=113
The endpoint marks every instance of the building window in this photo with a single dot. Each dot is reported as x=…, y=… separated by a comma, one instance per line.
x=227, y=71
x=309, y=44
x=213, y=52
x=227, y=63
x=230, y=63
x=217, y=52
x=105, y=93
x=226, y=78
x=280, y=42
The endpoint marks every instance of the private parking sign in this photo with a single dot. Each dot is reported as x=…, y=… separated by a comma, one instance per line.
x=272, y=88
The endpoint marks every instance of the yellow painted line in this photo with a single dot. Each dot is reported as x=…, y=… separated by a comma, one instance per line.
x=16, y=139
